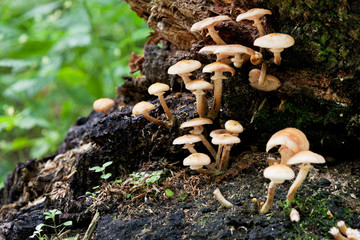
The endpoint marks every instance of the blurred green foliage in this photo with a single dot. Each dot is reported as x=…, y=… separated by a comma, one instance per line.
x=56, y=58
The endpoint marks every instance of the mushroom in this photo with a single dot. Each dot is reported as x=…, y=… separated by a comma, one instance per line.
x=189, y=141
x=336, y=234
x=234, y=127
x=270, y=82
x=210, y=23
x=255, y=14
x=275, y=42
x=213, y=134
x=158, y=89
x=277, y=173
x=241, y=53
x=304, y=158
x=197, y=123
x=144, y=109
x=103, y=105
x=184, y=68
x=196, y=161
x=218, y=68
x=221, y=199
x=353, y=234
x=342, y=226
x=294, y=215
x=220, y=57
x=197, y=87
x=292, y=140
x=227, y=141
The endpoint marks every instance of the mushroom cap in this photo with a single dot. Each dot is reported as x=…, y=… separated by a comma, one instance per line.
x=218, y=67
x=217, y=132
x=188, y=138
x=142, y=107
x=225, y=139
x=271, y=82
x=252, y=14
x=292, y=138
x=275, y=40
x=210, y=48
x=233, y=126
x=233, y=49
x=103, y=105
x=197, y=159
x=209, y=22
x=196, y=122
x=184, y=66
x=199, y=85
x=278, y=173
x=306, y=156
x=158, y=89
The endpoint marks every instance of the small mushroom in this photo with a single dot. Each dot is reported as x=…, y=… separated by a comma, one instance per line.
x=188, y=140
x=275, y=42
x=294, y=215
x=277, y=173
x=227, y=141
x=221, y=199
x=197, y=87
x=103, y=105
x=210, y=23
x=220, y=57
x=197, y=124
x=270, y=82
x=304, y=158
x=184, y=68
x=353, y=234
x=241, y=53
x=234, y=127
x=342, y=226
x=336, y=234
x=292, y=140
x=255, y=14
x=158, y=89
x=218, y=68
x=144, y=109
x=196, y=161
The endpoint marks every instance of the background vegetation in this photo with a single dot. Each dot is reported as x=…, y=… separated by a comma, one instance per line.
x=57, y=57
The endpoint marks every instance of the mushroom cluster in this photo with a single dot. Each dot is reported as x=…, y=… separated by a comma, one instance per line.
x=342, y=232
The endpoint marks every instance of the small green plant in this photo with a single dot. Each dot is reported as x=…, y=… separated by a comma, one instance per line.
x=58, y=234
x=102, y=169
x=169, y=193
x=140, y=179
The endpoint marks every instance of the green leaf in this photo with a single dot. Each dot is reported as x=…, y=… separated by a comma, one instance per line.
x=169, y=193
x=71, y=76
x=68, y=223
x=107, y=164
x=106, y=176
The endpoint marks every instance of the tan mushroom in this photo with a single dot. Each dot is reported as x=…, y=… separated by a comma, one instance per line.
x=220, y=57
x=158, y=89
x=103, y=105
x=255, y=14
x=221, y=199
x=196, y=161
x=197, y=87
x=277, y=173
x=210, y=23
x=218, y=68
x=227, y=141
x=197, y=124
x=144, y=108
x=304, y=158
x=336, y=234
x=188, y=141
x=275, y=42
x=213, y=134
x=184, y=68
x=270, y=82
x=234, y=127
x=239, y=52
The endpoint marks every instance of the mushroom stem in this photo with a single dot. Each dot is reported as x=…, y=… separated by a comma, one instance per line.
x=342, y=226
x=190, y=147
x=262, y=74
x=257, y=23
x=218, y=156
x=270, y=198
x=277, y=58
x=215, y=36
x=285, y=154
x=156, y=121
x=166, y=109
x=304, y=169
x=217, y=98
x=225, y=157
x=185, y=77
x=208, y=145
x=221, y=199
x=201, y=103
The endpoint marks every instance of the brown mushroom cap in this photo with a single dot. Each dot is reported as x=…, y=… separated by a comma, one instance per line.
x=199, y=85
x=224, y=139
x=158, y=89
x=271, y=82
x=188, y=138
x=233, y=49
x=306, y=156
x=275, y=40
x=196, y=122
x=184, y=66
x=234, y=127
x=292, y=138
x=218, y=67
x=103, y=105
x=197, y=160
x=217, y=132
x=209, y=22
x=252, y=14
x=142, y=107
x=278, y=173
